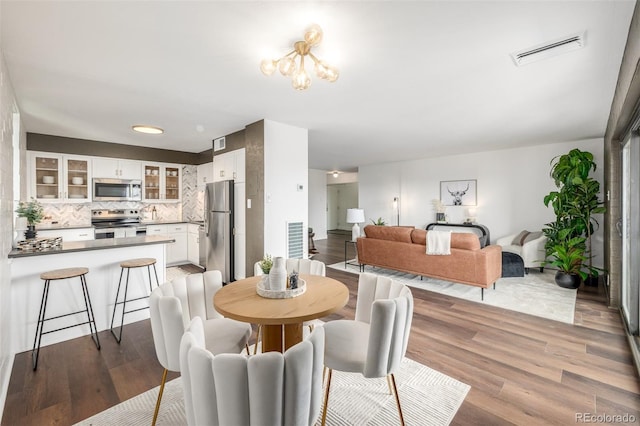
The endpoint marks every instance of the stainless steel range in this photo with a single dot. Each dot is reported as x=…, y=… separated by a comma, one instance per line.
x=117, y=223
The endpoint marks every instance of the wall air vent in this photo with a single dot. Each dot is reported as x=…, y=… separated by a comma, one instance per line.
x=547, y=50
x=219, y=144
x=295, y=242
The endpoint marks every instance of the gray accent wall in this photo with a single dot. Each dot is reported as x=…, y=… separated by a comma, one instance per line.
x=64, y=145
x=252, y=139
x=254, y=159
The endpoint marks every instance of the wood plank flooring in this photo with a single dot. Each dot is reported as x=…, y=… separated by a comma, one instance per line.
x=521, y=369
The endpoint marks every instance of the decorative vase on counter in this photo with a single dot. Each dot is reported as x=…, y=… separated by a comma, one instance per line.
x=30, y=232
x=278, y=275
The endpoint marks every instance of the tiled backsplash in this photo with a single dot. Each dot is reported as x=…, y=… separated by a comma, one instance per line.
x=191, y=208
x=192, y=199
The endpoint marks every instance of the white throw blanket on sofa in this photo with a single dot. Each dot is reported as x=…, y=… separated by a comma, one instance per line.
x=439, y=242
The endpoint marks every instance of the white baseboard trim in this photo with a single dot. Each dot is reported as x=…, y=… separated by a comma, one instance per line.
x=6, y=366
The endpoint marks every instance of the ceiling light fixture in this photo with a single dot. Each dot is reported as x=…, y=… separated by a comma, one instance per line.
x=141, y=128
x=335, y=175
x=287, y=64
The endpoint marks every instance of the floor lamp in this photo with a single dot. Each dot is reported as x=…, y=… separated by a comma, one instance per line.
x=396, y=207
x=355, y=216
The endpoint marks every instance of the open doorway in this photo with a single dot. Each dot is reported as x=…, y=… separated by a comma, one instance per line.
x=340, y=197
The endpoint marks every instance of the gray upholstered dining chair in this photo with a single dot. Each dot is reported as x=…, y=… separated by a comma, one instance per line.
x=376, y=341
x=175, y=304
x=264, y=389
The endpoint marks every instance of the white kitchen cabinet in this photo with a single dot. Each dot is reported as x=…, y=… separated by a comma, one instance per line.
x=75, y=234
x=193, y=244
x=116, y=168
x=176, y=251
x=162, y=182
x=157, y=230
x=230, y=165
x=59, y=178
x=204, y=175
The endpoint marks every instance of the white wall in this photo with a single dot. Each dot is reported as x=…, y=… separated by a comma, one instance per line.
x=318, y=203
x=511, y=185
x=285, y=167
x=8, y=108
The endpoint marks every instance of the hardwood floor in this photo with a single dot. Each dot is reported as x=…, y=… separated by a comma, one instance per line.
x=521, y=369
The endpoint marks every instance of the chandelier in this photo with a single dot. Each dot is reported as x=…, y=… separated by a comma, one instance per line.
x=300, y=79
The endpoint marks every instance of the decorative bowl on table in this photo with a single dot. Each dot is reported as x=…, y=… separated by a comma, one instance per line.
x=281, y=294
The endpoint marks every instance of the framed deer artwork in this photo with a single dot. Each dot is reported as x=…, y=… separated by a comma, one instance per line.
x=458, y=192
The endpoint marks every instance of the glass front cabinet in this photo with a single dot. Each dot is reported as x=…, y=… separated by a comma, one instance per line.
x=162, y=182
x=56, y=177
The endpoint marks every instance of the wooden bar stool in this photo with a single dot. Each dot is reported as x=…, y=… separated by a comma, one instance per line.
x=128, y=264
x=62, y=274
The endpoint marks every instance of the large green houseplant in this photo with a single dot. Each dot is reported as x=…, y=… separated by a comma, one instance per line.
x=575, y=204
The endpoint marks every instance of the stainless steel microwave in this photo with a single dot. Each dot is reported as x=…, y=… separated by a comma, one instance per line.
x=105, y=189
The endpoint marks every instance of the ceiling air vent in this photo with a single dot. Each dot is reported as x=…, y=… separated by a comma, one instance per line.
x=219, y=144
x=547, y=50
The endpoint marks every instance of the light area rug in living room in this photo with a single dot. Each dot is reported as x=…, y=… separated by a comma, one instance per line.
x=534, y=294
x=428, y=397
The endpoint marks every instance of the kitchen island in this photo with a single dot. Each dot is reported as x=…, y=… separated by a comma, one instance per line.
x=103, y=258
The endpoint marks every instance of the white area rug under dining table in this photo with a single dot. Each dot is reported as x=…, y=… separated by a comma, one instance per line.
x=428, y=397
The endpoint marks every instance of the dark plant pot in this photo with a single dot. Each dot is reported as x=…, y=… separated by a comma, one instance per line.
x=30, y=232
x=591, y=281
x=565, y=280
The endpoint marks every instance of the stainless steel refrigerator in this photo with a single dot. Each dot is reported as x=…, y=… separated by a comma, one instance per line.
x=218, y=223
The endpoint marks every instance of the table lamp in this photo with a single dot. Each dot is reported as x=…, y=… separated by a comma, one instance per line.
x=471, y=216
x=355, y=216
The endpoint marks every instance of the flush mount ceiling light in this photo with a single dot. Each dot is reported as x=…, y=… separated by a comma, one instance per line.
x=287, y=64
x=141, y=128
x=547, y=50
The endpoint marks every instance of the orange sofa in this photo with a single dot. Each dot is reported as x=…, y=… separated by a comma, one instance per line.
x=404, y=249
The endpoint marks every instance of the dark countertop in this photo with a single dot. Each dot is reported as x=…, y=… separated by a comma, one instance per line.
x=57, y=226
x=102, y=244
x=169, y=222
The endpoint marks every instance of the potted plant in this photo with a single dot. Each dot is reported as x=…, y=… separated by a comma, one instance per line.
x=32, y=211
x=568, y=256
x=575, y=204
x=266, y=264
x=379, y=222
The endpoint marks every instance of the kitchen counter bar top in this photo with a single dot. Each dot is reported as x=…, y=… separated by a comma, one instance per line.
x=106, y=243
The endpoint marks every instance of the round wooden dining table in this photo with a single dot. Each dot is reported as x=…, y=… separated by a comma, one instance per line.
x=281, y=319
